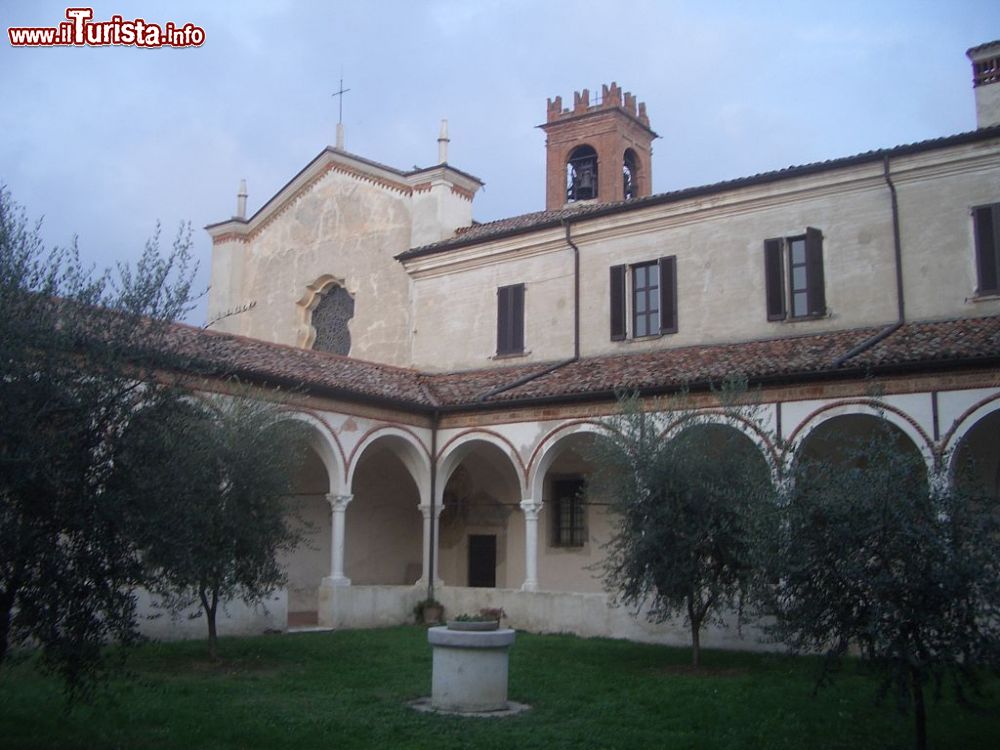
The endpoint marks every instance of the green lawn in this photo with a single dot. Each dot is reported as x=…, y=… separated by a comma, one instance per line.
x=348, y=690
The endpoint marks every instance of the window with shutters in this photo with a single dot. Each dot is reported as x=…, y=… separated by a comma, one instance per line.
x=569, y=524
x=510, y=320
x=987, y=233
x=799, y=260
x=645, y=296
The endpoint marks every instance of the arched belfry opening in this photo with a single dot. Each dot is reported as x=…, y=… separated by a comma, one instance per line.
x=611, y=130
x=630, y=174
x=581, y=174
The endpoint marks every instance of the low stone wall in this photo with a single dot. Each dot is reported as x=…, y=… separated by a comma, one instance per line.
x=587, y=615
x=232, y=618
x=367, y=606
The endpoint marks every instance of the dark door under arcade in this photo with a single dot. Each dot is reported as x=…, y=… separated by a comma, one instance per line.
x=483, y=561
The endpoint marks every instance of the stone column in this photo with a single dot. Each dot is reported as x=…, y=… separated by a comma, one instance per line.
x=338, y=506
x=429, y=524
x=531, y=510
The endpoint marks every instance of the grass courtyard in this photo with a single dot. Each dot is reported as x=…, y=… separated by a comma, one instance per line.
x=348, y=690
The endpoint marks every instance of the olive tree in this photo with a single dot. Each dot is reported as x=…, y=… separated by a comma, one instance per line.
x=875, y=558
x=686, y=506
x=214, y=522
x=79, y=351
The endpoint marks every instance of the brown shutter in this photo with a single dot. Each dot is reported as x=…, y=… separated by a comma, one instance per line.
x=815, y=287
x=510, y=319
x=985, y=218
x=617, y=303
x=503, y=320
x=668, y=294
x=774, y=279
x=517, y=318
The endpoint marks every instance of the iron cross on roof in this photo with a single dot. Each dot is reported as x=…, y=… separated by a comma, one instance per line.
x=340, y=93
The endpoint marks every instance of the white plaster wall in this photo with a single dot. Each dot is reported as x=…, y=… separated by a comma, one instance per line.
x=456, y=314
x=988, y=105
x=718, y=241
x=232, y=618
x=720, y=269
x=437, y=213
x=936, y=229
x=309, y=563
x=485, y=479
x=383, y=537
x=342, y=226
x=226, y=284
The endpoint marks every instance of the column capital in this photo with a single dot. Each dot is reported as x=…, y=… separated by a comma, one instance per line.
x=339, y=503
x=426, y=510
x=531, y=508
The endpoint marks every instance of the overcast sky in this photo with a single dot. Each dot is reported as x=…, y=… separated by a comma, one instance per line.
x=105, y=142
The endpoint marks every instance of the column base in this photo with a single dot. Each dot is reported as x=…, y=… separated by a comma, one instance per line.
x=529, y=586
x=335, y=581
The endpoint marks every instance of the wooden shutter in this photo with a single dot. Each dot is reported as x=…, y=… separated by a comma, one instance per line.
x=668, y=294
x=617, y=303
x=517, y=318
x=987, y=252
x=510, y=319
x=774, y=279
x=815, y=286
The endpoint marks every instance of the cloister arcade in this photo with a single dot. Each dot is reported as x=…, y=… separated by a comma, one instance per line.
x=500, y=518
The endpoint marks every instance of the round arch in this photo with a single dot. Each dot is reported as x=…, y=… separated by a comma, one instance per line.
x=869, y=408
x=551, y=446
x=744, y=425
x=969, y=419
x=457, y=448
x=326, y=445
x=406, y=445
x=972, y=450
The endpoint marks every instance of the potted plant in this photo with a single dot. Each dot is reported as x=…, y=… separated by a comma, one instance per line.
x=429, y=611
x=488, y=618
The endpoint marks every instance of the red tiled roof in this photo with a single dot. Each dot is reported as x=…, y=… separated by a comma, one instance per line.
x=924, y=343
x=674, y=368
x=288, y=365
x=838, y=353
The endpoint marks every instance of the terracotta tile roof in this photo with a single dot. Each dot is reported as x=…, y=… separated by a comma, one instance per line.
x=547, y=219
x=923, y=343
x=330, y=373
x=840, y=353
x=690, y=365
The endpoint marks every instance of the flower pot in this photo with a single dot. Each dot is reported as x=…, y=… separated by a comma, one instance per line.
x=473, y=625
x=432, y=615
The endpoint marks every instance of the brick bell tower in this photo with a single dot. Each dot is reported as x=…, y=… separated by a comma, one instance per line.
x=597, y=152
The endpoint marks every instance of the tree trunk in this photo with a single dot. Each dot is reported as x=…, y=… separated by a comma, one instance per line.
x=210, y=609
x=919, y=709
x=6, y=610
x=695, y=620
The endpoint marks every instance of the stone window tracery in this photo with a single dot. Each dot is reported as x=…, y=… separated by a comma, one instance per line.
x=330, y=320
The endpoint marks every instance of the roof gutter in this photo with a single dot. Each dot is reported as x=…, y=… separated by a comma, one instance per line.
x=576, y=291
x=896, y=242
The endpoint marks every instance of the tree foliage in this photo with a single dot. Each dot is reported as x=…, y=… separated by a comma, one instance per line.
x=874, y=557
x=686, y=508
x=214, y=524
x=78, y=352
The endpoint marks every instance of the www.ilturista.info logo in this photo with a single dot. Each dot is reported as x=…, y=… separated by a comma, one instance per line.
x=80, y=31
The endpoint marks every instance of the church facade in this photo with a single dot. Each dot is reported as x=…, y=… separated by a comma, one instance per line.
x=452, y=373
